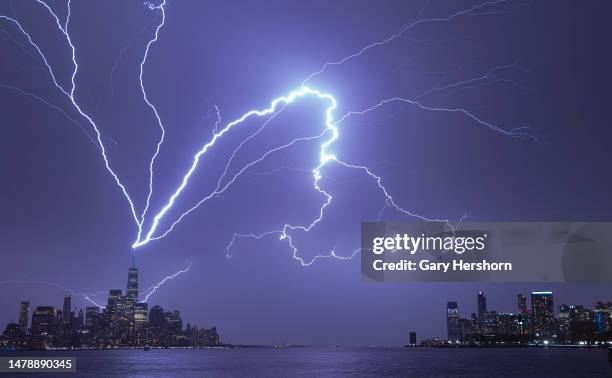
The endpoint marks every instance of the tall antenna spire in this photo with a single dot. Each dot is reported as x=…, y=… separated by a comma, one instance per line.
x=133, y=258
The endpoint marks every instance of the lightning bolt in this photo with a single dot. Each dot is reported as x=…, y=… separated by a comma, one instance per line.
x=157, y=117
x=84, y=295
x=490, y=77
x=398, y=34
x=329, y=134
x=124, y=49
x=70, y=94
x=275, y=104
x=156, y=286
x=331, y=128
x=52, y=106
x=90, y=296
x=18, y=43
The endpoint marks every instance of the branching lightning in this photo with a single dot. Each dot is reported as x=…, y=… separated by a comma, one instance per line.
x=71, y=93
x=146, y=99
x=274, y=106
x=329, y=135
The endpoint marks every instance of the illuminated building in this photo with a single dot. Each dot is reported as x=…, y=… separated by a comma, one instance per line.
x=140, y=315
x=132, y=285
x=482, y=305
x=602, y=315
x=452, y=321
x=581, y=325
x=542, y=308
x=114, y=305
x=522, y=304
x=124, y=322
x=489, y=325
x=563, y=323
x=508, y=325
x=131, y=296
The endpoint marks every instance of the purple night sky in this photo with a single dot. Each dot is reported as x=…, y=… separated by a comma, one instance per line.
x=64, y=220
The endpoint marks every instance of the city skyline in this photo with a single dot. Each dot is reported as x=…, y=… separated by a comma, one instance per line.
x=123, y=322
x=543, y=323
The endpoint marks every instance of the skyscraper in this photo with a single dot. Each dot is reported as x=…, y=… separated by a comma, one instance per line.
x=543, y=311
x=114, y=304
x=67, y=309
x=132, y=285
x=482, y=305
x=131, y=294
x=413, y=341
x=522, y=304
x=564, y=322
x=24, y=310
x=602, y=315
x=452, y=321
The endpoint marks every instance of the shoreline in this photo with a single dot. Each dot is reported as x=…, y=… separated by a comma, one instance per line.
x=223, y=347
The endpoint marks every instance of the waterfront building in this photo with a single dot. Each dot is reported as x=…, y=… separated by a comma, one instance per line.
x=452, y=321
x=482, y=305
x=542, y=308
